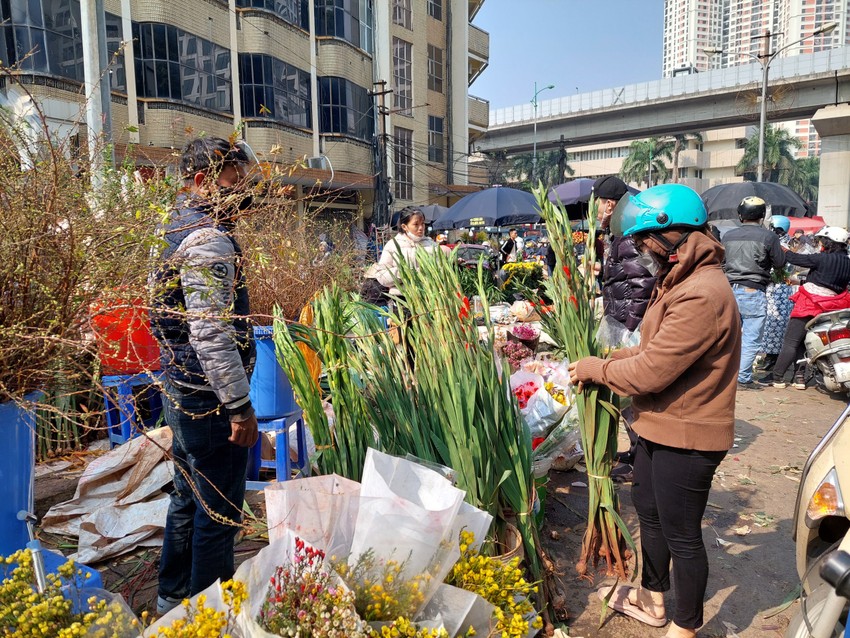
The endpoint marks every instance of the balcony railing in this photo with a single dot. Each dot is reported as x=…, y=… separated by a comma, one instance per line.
x=479, y=112
x=479, y=42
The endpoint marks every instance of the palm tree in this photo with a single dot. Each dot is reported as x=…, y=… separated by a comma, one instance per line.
x=498, y=166
x=681, y=141
x=779, y=162
x=551, y=168
x=806, y=178
x=645, y=161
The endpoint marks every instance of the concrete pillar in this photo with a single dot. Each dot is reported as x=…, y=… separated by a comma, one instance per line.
x=833, y=125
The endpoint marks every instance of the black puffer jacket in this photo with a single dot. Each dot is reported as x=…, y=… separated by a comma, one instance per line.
x=627, y=284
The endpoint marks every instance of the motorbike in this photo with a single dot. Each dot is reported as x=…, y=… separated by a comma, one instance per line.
x=827, y=344
x=821, y=526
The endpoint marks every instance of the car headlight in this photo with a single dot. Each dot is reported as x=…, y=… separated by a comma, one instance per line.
x=826, y=501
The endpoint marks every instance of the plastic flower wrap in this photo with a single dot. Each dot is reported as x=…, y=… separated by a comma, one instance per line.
x=305, y=599
x=524, y=332
x=499, y=583
x=383, y=588
x=405, y=531
x=61, y=610
x=213, y=612
x=516, y=353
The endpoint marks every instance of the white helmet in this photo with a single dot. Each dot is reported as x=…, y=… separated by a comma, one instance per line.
x=836, y=234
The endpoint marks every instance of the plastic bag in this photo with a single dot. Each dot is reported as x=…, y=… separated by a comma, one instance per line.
x=540, y=411
x=524, y=311
x=613, y=335
x=562, y=447
x=311, y=507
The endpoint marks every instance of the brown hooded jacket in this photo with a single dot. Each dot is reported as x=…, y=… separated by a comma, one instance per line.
x=683, y=375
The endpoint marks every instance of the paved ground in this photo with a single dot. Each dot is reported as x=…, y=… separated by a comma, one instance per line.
x=756, y=486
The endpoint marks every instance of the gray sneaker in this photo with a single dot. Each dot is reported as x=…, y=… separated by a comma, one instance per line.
x=164, y=604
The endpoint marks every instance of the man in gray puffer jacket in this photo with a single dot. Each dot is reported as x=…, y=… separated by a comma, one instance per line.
x=200, y=318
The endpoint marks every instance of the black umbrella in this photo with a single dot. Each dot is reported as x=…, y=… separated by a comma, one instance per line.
x=721, y=202
x=433, y=212
x=575, y=194
x=496, y=206
x=575, y=191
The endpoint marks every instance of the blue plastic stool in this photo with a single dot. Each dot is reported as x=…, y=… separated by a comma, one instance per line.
x=282, y=465
x=121, y=397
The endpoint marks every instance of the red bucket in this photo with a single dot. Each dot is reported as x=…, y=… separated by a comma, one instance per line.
x=125, y=343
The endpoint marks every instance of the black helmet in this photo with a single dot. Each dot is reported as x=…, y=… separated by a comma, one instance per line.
x=751, y=209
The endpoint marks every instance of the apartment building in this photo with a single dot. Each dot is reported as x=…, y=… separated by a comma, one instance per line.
x=298, y=79
x=691, y=27
x=701, y=165
x=736, y=29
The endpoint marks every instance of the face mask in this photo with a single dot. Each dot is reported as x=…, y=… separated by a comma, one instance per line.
x=414, y=238
x=233, y=201
x=649, y=260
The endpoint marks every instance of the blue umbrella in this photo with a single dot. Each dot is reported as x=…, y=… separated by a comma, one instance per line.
x=495, y=206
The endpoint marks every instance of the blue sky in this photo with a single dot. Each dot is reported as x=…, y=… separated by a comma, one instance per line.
x=577, y=45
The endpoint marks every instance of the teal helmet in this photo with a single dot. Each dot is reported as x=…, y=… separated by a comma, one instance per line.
x=657, y=209
x=780, y=222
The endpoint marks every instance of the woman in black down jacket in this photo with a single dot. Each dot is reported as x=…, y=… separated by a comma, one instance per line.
x=627, y=283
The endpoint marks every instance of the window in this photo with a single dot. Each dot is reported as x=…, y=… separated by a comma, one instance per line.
x=345, y=108
x=435, y=68
x=177, y=65
x=274, y=89
x=683, y=173
x=435, y=139
x=115, y=53
x=435, y=9
x=292, y=11
x=350, y=20
x=403, y=158
x=44, y=36
x=401, y=13
x=402, y=76
x=366, y=25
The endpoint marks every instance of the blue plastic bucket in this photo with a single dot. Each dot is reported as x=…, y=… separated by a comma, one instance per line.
x=271, y=393
x=17, y=472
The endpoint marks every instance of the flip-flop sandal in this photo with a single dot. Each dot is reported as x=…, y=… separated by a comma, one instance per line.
x=620, y=602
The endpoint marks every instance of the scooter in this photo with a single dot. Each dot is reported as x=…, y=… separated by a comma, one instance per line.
x=821, y=526
x=828, y=349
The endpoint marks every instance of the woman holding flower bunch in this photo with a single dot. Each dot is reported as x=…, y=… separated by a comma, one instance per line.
x=682, y=379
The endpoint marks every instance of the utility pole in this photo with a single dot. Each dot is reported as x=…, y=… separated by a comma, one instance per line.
x=97, y=89
x=382, y=193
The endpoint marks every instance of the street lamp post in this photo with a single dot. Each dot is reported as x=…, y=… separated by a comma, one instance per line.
x=765, y=59
x=534, y=136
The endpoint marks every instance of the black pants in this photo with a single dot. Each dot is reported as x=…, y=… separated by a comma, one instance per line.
x=793, y=348
x=670, y=492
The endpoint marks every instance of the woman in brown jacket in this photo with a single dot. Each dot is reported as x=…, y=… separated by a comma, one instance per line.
x=682, y=380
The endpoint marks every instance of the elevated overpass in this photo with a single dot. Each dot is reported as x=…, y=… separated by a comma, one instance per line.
x=818, y=88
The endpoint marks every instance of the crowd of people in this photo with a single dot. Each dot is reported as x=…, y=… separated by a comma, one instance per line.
x=700, y=304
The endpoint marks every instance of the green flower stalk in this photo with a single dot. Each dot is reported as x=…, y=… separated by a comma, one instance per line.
x=341, y=447
x=440, y=393
x=571, y=322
